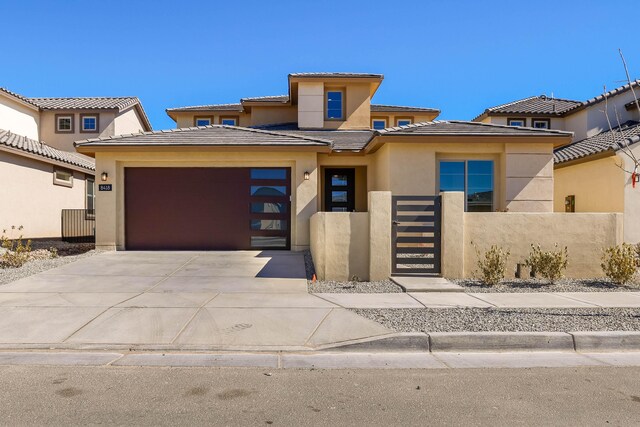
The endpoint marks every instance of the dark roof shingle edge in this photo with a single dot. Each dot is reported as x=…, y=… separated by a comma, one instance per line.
x=599, y=143
x=515, y=129
x=19, y=97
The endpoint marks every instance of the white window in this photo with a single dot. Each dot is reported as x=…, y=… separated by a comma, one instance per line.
x=540, y=123
x=403, y=122
x=378, y=123
x=64, y=123
x=203, y=121
x=517, y=122
x=63, y=177
x=228, y=121
x=88, y=123
x=335, y=105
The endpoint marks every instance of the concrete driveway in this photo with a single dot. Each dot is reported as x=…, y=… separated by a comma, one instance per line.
x=242, y=300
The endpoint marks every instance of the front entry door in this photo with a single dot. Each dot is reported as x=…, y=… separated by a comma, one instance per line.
x=339, y=190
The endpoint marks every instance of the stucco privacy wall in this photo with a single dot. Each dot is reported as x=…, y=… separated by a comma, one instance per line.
x=18, y=118
x=110, y=228
x=585, y=235
x=340, y=245
x=529, y=177
x=40, y=202
x=344, y=245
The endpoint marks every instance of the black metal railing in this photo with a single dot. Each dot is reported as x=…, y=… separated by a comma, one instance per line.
x=78, y=225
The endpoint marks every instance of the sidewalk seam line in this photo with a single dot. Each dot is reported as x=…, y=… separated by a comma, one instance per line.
x=318, y=326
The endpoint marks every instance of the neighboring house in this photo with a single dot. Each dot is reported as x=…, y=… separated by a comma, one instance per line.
x=41, y=171
x=219, y=186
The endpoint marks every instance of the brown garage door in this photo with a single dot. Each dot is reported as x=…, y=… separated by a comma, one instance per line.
x=207, y=208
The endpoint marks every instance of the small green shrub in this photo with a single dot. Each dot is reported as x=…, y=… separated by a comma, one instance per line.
x=492, y=264
x=548, y=264
x=620, y=263
x=16, y=251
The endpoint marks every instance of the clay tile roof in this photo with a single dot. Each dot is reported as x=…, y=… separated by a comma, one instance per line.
x=22, y=143
x=610, y=140
x=343, y=140
x=18, y=96
x=210, y=107
x=214, y=135
x=338, y=75
x=458, y=127
x=540, y=105
x=400, y=108
x=276, y=98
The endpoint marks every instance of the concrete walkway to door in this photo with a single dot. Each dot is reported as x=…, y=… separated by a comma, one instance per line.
x=244, y=300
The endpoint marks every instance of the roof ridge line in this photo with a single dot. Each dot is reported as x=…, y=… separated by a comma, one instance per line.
x=470, y=122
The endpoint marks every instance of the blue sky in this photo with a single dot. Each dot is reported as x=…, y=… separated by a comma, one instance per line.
x=458, y=56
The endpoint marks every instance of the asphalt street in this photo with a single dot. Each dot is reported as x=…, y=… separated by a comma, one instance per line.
x=241, y=396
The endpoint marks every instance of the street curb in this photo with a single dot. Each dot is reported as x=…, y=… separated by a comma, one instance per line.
x=606, y=341
x=400, y=342
x=500, y=341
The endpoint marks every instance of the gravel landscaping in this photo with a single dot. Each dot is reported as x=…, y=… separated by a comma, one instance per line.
x=533, y=285
x=505, y=319
x=381, y=287
x=42, y=261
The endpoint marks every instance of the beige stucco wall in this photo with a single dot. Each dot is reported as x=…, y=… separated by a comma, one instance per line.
x=340, y=245
x=310, y=105
x=584, y=234
x=529, y=177
x=128, y=121
x=18, y=118
x=64, y=141
x=631, y=199
x=598, y=185
x=273, y=115
x=29, y=197
x=557, y=123
x=110, y=228
x=357, y=107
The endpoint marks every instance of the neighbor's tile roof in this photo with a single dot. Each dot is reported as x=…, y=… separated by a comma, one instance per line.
x=18, y=96
x=211, y=107
x=94, y=103
x=400, y=108
x=275, y=98
x=613, y=92
x=540, y=105
x=348, y=140
x=610, y=140
x=459, y=127
x=22, y=143
x=338, y=75
x=214, y=135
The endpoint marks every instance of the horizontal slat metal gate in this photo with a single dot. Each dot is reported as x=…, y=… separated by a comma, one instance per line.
x=416, y=235
x=78, y=225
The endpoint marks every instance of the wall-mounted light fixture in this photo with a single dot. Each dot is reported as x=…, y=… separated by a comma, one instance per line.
x=104, y=176
x=306, y=176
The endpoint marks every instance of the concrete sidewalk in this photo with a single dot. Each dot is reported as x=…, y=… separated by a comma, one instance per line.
x=485, y=300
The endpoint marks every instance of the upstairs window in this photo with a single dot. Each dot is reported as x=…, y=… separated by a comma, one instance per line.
x=335, y=104
x=89, y=123
x=517, y=122
x=378, y=124
x=91, y=194
x=229, y=121
x=541, y=123
x=64, y=123
x=203, y=121
x=403, y=122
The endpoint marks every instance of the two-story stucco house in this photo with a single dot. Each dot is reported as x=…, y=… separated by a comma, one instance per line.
x=322, y=167
x=594, y=172
x=40, y=171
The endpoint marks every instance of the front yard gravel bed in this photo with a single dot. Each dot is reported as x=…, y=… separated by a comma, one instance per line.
x=505, y=319
x=381, y=287
x=533, y=285
x=36, y=266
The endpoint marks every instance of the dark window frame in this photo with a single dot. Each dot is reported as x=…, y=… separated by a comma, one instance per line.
x=343, y=116
x=466, y=179
x=57, y=121
x=350, y=188
x=547, y=121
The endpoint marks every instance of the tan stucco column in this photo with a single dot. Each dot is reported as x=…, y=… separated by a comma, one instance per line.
x=107, y=202
x=452, y=234
x=379, y=235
